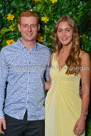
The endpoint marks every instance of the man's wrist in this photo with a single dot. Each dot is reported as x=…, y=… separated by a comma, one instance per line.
x=2, y=115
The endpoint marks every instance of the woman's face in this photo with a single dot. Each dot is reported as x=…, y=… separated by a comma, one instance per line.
x=64, y=33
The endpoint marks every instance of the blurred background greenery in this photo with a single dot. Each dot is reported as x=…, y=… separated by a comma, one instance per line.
x=49, y=12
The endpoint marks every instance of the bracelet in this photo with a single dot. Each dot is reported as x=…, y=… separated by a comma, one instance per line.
x=84, y=114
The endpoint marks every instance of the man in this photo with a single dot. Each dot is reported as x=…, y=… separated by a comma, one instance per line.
x=24, y=66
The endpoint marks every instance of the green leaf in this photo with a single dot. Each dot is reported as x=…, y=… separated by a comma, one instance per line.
x=4, y=31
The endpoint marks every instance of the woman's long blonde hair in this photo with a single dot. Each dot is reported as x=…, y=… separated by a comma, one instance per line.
x=73, y=60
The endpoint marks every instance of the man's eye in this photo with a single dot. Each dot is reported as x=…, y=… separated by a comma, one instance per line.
x=33, y=25
x=24, y=25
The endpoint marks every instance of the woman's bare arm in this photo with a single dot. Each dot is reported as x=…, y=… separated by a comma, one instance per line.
x=48, y=84
x=85, y=81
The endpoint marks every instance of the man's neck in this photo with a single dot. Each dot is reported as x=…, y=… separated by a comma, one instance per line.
x=29, y=45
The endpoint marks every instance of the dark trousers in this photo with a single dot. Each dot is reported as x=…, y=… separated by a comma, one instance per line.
x=23, y=127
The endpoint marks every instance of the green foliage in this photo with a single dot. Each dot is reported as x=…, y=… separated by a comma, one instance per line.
x=89, y=128
x=79, y=10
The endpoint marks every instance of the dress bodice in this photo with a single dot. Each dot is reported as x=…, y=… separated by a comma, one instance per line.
x=60, y=78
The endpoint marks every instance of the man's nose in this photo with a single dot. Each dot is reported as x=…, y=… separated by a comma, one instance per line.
x=29, y=28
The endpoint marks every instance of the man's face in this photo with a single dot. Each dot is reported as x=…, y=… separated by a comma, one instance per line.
x=28, y=28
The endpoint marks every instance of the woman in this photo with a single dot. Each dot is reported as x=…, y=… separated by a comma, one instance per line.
x=65, y=110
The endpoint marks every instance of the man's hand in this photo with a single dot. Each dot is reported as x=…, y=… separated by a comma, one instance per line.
x=2, y=125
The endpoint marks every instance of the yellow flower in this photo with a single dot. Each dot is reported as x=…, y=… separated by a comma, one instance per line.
x=39, y=37
x=11, y=28
x=53, y=1
x=10, y=42
x=45, y=19
x=10, y=17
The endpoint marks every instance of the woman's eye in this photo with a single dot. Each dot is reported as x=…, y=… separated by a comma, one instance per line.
x=68, y=30
x=59, y=30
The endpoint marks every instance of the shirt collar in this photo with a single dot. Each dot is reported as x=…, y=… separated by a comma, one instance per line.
x=21, y=45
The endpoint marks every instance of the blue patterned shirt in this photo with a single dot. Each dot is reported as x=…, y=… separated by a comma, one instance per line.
x=25, y=73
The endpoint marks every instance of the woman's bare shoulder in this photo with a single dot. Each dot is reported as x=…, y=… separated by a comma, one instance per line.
x=52, y=55
x=84, y=57
x=51, y=58
x=83, y=54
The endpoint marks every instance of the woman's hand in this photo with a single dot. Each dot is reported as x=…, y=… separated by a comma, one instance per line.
x=80, y=125
x=47, y=85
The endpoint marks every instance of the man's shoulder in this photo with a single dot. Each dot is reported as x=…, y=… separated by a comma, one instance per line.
x=8, y=47
x=42, y=46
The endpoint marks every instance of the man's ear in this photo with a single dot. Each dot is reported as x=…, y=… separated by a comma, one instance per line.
x=19, y=27
x=38, y=27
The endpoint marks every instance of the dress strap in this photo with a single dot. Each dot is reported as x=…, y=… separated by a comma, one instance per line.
x=54, y=59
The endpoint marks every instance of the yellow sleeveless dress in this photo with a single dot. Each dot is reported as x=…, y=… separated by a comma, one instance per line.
x=63, y=104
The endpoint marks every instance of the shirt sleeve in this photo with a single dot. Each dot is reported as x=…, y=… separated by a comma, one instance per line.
x=3, y=79
x=48, y=67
